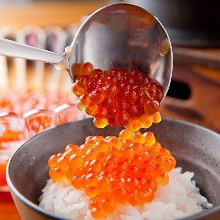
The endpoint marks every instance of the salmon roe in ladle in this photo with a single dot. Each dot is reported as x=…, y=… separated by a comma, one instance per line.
x=113, y=171
x=117, y=97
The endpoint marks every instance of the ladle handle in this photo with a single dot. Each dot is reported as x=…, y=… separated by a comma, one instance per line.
x=14, y=49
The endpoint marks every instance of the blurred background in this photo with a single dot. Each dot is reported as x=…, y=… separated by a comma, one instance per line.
x=194, y=28
x=192, y=25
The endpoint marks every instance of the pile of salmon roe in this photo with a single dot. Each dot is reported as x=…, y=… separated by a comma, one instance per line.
x=112, y=171
x=117, y=97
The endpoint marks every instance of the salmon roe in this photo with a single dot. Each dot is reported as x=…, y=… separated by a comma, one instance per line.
x=117, y=96
x=113, y=171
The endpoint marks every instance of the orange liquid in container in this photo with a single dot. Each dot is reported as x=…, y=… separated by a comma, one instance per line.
x=16, y=127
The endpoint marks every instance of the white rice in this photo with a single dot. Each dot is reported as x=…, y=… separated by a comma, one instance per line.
x=178, y=199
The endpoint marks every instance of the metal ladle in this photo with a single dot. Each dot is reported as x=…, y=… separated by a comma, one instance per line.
x=115, y=36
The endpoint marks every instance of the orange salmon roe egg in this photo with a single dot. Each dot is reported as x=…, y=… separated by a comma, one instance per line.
x=113, y=171
x=118, y=97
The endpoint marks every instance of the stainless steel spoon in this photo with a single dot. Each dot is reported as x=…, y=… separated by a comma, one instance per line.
x=115, y=36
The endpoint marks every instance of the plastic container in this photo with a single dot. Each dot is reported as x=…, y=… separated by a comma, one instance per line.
x=39, y=79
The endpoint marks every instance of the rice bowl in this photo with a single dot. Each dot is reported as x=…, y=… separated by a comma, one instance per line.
x=180, y=198
x=193, y=147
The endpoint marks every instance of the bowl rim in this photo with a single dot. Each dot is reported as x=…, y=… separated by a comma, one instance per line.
x=40, y=210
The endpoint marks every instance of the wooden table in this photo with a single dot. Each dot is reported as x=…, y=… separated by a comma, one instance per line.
x=7, y=207
x=202, y=107
x=45, y=13
x=8, y=211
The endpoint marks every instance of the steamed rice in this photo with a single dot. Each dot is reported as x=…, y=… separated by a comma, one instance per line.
x=178, y=199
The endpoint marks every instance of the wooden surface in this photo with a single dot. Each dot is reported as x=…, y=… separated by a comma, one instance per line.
x=45, y=13
x=7, y=207
x=200, y=56
x=202, y=107
x=8, y=211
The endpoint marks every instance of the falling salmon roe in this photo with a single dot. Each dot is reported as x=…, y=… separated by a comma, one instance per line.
x=113, y=171
x=117, y=97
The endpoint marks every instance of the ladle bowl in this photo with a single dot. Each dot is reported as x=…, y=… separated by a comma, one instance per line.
x=115, y=36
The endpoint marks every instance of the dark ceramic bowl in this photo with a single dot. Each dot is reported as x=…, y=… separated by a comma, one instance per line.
x=196, y=149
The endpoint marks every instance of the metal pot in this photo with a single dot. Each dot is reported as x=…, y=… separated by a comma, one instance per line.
x=194, y=23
